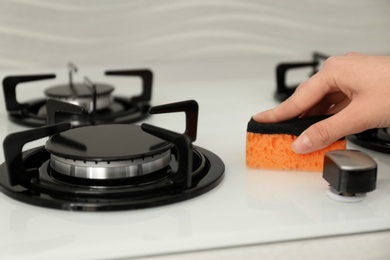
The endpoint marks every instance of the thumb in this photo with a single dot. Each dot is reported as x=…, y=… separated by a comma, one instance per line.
x=328, y=131
x=314, y=138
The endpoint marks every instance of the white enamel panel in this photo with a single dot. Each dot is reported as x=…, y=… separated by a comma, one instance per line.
x=248, y=207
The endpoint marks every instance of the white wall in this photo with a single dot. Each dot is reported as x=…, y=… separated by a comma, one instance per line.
x=49, y=33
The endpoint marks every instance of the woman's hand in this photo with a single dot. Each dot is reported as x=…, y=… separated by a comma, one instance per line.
x=354, y=87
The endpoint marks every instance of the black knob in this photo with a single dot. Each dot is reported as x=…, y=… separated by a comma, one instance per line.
x=350, y=172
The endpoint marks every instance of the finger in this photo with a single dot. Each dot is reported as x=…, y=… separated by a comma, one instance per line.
x=354, y=54
x=331, y=129
x=339, y=106
x=308, y=93
x=326, y=105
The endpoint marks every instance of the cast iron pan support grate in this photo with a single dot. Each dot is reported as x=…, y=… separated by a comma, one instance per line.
x=9, y=88
x=189, y=107
x=182, y=177
x=183, y=143
x=13, y=144
x=283, y=91
x=147, y=81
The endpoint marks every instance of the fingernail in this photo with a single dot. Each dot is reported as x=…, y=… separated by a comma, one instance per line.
x=302, y=144
x=258, y=115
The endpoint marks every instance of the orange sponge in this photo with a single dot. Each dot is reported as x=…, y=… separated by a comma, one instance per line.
x=268, y=146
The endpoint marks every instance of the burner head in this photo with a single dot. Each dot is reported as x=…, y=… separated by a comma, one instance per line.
x=107, y=152
x=81, y=95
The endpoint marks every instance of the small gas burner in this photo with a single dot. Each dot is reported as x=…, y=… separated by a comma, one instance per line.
x=110, y=166
x=373, y=139
x=96, y=98
x=283, y=91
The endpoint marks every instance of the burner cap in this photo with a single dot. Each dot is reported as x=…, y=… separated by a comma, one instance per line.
x=81, y=95
x=78, y=90
x=107, y=151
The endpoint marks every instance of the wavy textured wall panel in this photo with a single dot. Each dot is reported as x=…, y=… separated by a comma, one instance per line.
x=49, y=33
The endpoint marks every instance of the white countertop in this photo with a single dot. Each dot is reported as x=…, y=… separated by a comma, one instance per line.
x=252, y=213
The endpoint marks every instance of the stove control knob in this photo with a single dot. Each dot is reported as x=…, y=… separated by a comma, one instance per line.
x=350, y=173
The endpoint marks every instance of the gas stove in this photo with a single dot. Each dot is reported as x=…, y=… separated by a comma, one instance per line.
x=247, y=207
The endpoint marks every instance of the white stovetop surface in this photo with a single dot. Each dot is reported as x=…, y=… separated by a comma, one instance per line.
x=249, y=207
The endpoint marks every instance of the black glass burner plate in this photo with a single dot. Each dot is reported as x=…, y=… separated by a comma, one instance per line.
x=108, y=142
x=49, y=191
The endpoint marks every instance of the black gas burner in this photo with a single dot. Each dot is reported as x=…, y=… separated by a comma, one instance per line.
x=111, y=166
x=90, y=152
x=373, y=139
x=95, y=98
